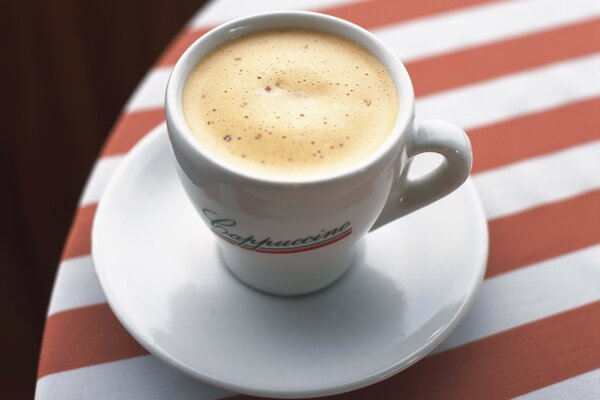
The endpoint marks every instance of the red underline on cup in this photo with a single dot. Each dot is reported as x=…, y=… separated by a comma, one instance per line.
x=292, y=250
x=316, y=246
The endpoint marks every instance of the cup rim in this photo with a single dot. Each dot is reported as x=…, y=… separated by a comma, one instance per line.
x=397, y=71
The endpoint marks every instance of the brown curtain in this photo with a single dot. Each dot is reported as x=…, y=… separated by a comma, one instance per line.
x=67, y=68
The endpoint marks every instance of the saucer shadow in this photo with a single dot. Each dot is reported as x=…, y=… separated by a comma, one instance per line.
x=346, y=323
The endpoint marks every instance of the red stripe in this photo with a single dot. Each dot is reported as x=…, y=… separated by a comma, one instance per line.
x=534, y=135
x=318, y=246
x=443, y=72
x=82, y=337
x=179, y=45
x=79, y=240
x=130, y=128
x=493, y=145
x=429, y=75
x=502, y=366
x=368, y=14
x=459, y=68
x=379, y=13
x=543, y=232
x=515, y=241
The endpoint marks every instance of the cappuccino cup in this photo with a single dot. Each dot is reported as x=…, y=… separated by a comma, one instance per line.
x=293, y=134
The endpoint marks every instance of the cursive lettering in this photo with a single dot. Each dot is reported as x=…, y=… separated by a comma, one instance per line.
x=223, y=227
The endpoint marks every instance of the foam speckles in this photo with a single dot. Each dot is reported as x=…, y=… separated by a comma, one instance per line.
x=291, y=101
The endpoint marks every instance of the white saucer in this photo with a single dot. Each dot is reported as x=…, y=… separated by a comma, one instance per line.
x=158, y=264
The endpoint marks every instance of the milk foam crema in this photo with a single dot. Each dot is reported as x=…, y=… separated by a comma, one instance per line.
x=290, y=103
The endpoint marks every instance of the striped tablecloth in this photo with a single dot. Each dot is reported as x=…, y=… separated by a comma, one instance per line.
x=523, y=79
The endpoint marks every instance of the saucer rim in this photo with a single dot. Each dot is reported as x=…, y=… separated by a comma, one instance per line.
x=407, y=361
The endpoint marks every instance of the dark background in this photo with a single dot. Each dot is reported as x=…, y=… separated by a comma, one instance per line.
x=67, y=68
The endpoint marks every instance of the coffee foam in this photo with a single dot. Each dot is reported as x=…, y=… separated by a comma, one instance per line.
x=290, y=103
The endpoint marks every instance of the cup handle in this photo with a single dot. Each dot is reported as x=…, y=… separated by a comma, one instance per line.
x=430, y=136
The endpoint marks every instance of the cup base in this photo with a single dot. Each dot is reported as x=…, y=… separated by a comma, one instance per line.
x=287, y=275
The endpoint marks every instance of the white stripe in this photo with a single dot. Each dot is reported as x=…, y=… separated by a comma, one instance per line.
x=582, y=387
x=515, y=187
x=453, y=31
x=505, y=190
x=103, y=170
x=515, y=95
x=469, y=106
x=76, y=285
x=540, y=180
x=142, y=377
x=439, y=33
x=150, y=93
x=527, y=294
x=504, y=302
x=468, y=27
x=217, y=12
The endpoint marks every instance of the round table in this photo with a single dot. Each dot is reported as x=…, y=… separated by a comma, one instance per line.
x=523, y=79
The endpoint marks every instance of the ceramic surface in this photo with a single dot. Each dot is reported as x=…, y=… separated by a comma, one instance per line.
x=411, y=283
x=297, y=235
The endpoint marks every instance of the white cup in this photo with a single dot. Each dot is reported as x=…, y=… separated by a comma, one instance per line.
x=294, y=236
